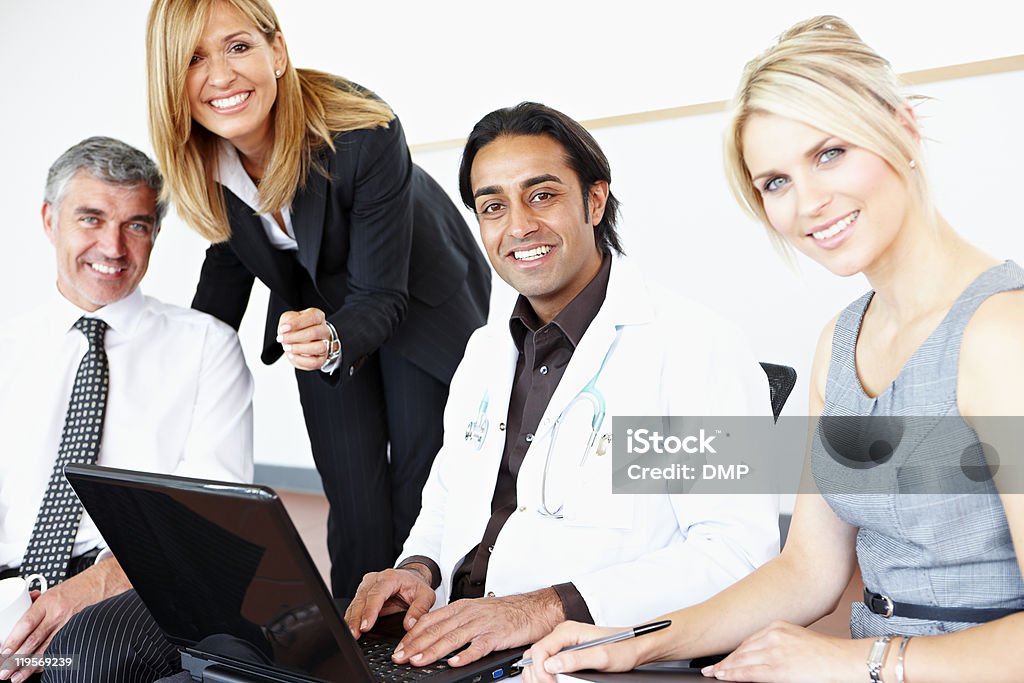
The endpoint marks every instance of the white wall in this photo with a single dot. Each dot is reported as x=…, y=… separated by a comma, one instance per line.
x=680, y=221
x=73, y=69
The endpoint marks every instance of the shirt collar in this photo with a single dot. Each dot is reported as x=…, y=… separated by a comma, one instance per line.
x=232, y=175
x=122, y=316
x=574, y=319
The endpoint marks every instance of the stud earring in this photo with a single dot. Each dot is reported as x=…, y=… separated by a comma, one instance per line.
x=913, y=164
x=278, y=73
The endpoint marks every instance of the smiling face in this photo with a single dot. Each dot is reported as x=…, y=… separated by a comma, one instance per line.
x=535, y=229
x=103, y=234
x=231, y=82
x=840, y=204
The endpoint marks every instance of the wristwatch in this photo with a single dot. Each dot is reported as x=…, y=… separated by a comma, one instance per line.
x=333, y=348
x=876, y=657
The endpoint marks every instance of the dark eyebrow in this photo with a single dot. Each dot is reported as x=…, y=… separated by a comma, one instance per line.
x=537, y=180
x=529, y=182
x=143, y=218
x=490, y=189
x=809, y=153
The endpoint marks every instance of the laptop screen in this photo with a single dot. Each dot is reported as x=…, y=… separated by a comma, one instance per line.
x=221, y=568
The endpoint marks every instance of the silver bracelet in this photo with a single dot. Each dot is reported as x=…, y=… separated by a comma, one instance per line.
x=333, y=346
x=876, y=657
x=899, y=658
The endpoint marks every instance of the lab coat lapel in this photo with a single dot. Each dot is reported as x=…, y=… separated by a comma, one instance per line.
x=626, y=302
x=582, y=367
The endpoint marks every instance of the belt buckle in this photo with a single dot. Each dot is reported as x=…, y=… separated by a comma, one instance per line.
x=887, y=605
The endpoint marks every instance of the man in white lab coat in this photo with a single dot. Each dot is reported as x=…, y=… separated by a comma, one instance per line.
x=504, y=550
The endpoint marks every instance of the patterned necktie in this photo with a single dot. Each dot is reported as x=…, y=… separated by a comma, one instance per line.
x=53, y=536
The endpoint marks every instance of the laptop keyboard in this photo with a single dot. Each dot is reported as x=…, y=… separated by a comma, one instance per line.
x=378, y=656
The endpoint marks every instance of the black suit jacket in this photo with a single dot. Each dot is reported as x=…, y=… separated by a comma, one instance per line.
x=382, y=250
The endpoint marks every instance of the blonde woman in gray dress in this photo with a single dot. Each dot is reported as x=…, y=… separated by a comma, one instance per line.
x=826, y=152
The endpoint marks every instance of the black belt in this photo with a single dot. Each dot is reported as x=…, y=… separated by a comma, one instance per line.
x=884, y=605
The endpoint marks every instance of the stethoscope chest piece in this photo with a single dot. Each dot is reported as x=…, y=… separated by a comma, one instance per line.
x=476, y=430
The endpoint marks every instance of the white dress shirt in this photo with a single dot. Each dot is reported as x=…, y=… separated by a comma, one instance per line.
x=179, y=402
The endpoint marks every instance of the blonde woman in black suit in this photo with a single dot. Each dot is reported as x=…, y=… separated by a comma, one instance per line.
x=304, y=180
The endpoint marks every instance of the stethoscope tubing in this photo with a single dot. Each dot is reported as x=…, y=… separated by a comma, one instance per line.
x=476, y=430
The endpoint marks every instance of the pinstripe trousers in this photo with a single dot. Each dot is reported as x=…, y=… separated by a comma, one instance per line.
x=115, y=641
x=390, y=406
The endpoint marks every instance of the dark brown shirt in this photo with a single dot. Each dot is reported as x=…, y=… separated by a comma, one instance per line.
x=544, y=354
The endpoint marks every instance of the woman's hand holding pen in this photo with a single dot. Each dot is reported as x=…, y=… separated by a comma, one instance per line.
x=621, y=656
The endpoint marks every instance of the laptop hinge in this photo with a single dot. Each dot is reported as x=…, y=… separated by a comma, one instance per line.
x=209, y=672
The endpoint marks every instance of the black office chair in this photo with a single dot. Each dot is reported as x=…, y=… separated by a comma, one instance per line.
x=781, y=379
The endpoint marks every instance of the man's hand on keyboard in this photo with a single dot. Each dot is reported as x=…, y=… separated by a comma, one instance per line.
x=486, y=624
x=387, y=592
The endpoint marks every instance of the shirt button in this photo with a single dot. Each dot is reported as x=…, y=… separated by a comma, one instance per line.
x=529, y=438
x=352, y=371
x=522, y=508
x=543, y=370
x=490, y=594
x=501, y=426
x=546, y=422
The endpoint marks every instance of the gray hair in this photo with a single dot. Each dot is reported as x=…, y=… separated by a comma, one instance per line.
x=109, y=160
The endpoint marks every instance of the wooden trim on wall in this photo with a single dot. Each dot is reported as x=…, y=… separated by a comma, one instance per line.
x=937, y=75
x=956, y=71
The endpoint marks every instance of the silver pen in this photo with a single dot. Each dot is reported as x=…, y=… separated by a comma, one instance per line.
x=614, y=638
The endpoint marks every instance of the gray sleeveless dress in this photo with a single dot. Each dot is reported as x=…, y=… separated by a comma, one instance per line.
x=946, y=548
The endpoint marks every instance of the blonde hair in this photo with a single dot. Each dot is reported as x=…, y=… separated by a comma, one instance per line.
x=311, y=107
x=821, y=74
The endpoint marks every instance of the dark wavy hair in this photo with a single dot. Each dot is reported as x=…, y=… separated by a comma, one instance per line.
x=581, y=151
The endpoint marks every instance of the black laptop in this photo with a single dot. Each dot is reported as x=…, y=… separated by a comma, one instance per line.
x=228, y=579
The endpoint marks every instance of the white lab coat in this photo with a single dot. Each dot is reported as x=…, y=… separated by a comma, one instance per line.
x=630, y=556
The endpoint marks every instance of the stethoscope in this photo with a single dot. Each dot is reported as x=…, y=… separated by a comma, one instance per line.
x=476, y=430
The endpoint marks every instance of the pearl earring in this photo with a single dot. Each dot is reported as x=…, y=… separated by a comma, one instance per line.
x=278, y=73
x=913, y=164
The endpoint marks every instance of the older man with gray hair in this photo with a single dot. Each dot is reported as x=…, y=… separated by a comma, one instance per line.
x=97, y=372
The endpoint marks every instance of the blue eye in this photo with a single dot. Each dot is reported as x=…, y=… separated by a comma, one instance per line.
x=831, y=154
x=775, y=183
